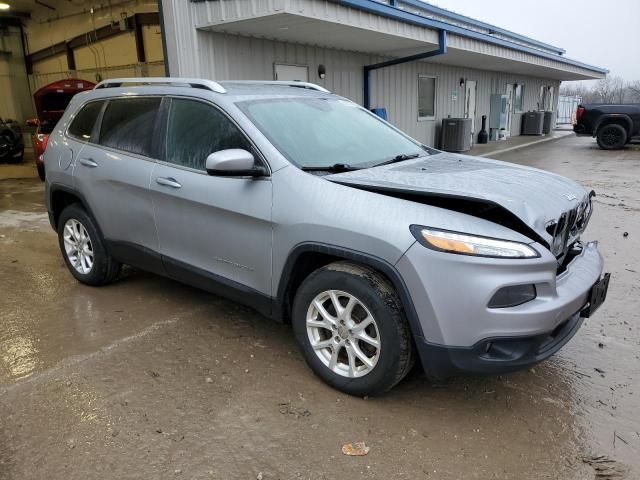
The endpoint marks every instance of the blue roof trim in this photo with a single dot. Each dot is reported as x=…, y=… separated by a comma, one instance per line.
x=478, y=23
x=395, y=13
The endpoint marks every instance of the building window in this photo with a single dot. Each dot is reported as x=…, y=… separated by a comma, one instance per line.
x=426, y=97
x=518, y=98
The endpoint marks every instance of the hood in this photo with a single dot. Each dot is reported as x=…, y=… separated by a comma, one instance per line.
x=537, y=198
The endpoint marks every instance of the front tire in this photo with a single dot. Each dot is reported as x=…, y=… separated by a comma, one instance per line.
x=83, y=248
x=612, y=137
x=350, y=326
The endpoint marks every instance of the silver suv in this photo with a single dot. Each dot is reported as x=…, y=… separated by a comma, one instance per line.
x=316, y=212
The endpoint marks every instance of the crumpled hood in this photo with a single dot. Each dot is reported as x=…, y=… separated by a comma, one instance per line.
x=535, y=196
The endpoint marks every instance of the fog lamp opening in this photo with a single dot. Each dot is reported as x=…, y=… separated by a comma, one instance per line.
x=512, y=296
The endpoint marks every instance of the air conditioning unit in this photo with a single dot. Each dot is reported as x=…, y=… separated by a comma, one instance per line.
x=456, y=134
x=532, y=123
x=546, y=125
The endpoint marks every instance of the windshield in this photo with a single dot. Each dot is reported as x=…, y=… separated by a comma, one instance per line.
x=320, y=132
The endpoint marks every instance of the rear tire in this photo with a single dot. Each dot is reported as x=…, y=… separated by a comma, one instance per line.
x=339, y=344
x=612, y=137
x=83, y=248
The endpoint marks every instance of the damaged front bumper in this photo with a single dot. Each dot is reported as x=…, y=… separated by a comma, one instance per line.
x=461, y=333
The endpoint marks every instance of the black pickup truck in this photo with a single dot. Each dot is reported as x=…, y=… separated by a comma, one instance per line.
x=613, y=125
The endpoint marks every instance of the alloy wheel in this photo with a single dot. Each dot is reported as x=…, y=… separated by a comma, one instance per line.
x=77, y=246
x=611, y=137
x=343, y=333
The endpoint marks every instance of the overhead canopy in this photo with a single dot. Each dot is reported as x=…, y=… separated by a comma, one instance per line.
x=375, y=28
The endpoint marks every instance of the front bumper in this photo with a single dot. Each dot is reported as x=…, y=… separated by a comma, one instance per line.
x=496, y=355
x=459, y=332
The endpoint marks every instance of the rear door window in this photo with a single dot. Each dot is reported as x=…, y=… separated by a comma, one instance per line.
x=195, y=130
x=128, y=124
x=81, y=126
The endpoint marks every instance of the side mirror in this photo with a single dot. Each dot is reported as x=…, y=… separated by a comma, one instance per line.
x=33, y=122
x=233, y=162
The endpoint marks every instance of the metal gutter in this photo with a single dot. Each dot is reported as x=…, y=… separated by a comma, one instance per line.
x=395, y=13
x=441, y=50
x=478, y=23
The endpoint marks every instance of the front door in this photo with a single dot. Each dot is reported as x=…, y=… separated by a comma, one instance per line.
x=470, y=105
x=214, y=232
x=291, y=73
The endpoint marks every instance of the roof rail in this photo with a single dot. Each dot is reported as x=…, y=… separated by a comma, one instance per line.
x=174, y=81
x=310, y=86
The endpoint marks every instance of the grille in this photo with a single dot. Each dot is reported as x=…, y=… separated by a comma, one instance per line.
x=568, y=227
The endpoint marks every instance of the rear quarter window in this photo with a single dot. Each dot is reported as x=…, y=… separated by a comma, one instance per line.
x=128, y=124
x=82, y=125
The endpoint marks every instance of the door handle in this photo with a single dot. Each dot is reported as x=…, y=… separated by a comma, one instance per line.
x=88, y=162
x=168, y=182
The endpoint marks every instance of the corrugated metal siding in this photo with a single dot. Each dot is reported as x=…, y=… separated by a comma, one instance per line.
x=220, y=11
x=207, y=13
x=219, y=56
x=227, y=57
x=472, y=45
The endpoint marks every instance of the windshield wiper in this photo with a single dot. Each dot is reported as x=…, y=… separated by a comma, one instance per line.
x=336, y=167
x=398, y=158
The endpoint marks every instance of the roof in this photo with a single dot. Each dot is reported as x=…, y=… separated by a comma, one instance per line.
x=231, y=91
x=465, y=27
x=392, y=29
x=457, y=18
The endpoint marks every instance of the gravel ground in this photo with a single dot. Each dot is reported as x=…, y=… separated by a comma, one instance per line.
x=147, y=378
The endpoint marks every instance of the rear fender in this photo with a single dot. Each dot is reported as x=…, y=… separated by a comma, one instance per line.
x=618, y=118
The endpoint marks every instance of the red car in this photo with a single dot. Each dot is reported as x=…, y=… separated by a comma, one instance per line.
x=51, y=101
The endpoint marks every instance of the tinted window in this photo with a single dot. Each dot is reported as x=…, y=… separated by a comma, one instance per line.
x=195, y=130
x=82, y=125
x=128, y=123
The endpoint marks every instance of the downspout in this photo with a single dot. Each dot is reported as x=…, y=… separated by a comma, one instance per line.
x=441, y=50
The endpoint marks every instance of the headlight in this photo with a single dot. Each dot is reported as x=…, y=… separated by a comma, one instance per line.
x=465, y=244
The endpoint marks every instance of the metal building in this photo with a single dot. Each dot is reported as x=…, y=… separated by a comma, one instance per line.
x=419, y=62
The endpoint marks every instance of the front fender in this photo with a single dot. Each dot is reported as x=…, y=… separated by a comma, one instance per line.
x=355, y=256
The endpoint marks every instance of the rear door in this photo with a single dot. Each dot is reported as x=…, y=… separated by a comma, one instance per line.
x=215, y=230
x=112, y=171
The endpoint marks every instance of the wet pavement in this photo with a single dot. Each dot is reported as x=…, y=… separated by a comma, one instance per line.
x=147, y=378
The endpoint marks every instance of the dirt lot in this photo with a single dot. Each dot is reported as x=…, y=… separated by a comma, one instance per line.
x=150, y=379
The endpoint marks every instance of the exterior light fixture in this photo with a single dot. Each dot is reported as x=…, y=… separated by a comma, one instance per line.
x=461, y=81
x=322, y=71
